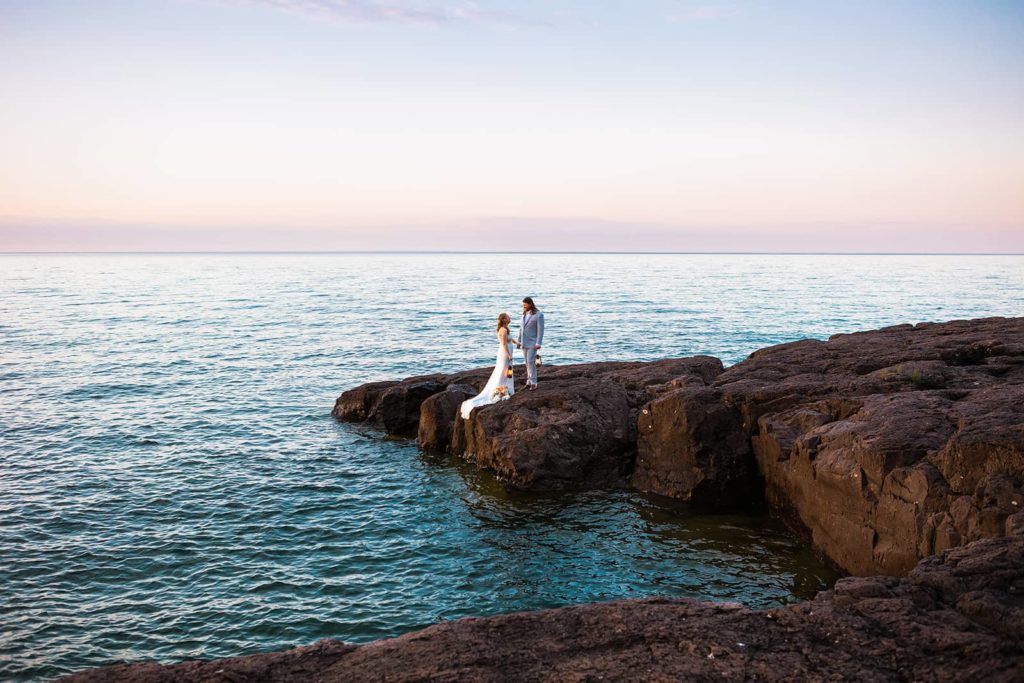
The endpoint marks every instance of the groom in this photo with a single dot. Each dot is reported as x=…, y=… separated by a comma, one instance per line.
x=531, y=334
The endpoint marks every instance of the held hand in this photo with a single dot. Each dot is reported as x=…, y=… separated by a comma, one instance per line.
x=536, y=347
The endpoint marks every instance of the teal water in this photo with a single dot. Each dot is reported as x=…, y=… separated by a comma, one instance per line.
x=172, y=485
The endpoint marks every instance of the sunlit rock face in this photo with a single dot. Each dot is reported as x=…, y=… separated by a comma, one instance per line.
x=577, y=430
x=892, y=445
x=884, y=447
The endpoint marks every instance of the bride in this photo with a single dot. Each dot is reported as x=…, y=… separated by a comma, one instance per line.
x=500, y=384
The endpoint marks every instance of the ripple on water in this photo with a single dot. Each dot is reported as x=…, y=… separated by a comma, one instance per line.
x=172, y=486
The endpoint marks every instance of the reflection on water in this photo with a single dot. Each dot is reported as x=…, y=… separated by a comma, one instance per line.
x=626, y=544
x=172, y=485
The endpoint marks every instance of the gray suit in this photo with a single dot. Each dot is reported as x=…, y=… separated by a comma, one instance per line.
x=531, y=333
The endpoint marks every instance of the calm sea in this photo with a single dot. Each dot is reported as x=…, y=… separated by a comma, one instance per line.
x=173, y=486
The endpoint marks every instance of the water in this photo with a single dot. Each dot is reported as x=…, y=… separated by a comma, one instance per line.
x=172, y=486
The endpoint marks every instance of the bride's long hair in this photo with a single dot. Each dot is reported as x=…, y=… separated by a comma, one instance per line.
x=503, y=321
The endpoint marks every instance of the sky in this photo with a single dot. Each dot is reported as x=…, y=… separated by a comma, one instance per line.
x=537, y=125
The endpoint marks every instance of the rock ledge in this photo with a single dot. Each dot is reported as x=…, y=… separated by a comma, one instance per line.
x=883, y=447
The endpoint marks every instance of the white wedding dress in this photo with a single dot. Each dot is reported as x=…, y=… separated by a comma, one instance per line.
x=497, y=379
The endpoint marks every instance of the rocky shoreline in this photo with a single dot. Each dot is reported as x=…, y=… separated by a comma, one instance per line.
x=883, y=447
x=956, y=617
x=899, y=452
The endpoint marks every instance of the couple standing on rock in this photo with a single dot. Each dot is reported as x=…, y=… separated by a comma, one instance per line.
x=501, y=385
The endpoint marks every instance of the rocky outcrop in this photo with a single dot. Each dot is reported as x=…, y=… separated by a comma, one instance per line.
x=691, y=445
x=574, y=434
x=437, y=415
x=956, y=617
x=578, y=429
x=890, y=446
x=884, y=447
x=360, y=404
x=394, y=406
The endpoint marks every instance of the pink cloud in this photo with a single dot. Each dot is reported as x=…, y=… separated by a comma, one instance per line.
x=403, y=11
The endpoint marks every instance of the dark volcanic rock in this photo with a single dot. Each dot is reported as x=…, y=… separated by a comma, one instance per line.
x=299, y=664
x=578, y=428
x=884, y=447
x=692, y=446
x=360, y=404
x=956, y=617
x=570, y=433
x=890, y=446
x=394, y=406
x=437, y=415
x=399, y=407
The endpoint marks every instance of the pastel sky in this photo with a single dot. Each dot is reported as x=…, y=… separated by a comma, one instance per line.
x=703, y=125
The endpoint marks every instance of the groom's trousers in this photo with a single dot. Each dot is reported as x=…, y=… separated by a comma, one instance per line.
x=530, y=354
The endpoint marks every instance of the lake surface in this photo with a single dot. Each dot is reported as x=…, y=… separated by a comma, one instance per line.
x=172, y=485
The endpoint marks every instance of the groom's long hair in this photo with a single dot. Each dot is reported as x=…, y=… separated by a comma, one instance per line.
x=529, y=301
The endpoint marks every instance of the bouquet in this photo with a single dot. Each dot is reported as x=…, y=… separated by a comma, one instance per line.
x=500, y=394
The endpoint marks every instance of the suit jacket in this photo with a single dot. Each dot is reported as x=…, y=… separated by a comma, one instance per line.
x=531, y=330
